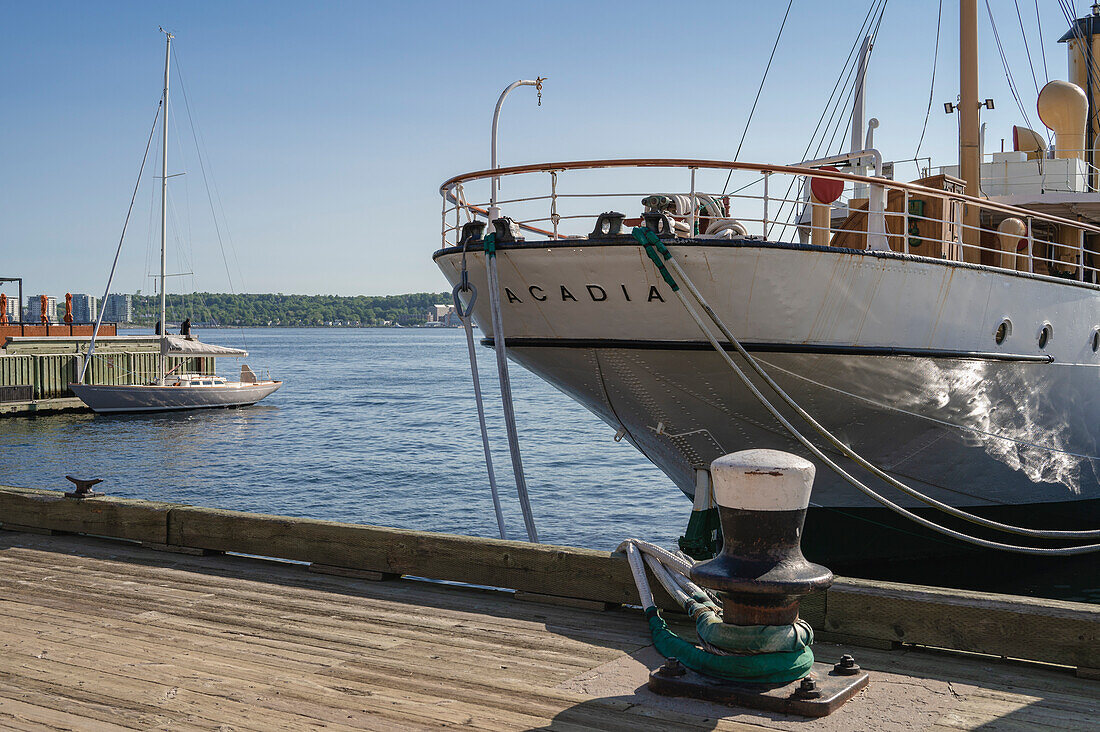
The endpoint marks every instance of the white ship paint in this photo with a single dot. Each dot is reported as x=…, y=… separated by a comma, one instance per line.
x=974, y=422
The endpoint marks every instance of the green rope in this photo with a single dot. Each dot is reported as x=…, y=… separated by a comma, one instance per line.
x=650, y=241
x=761, y=668
x=749, y=639
x=490, y=244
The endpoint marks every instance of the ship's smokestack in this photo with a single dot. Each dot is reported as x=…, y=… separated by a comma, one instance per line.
x=1064, y=108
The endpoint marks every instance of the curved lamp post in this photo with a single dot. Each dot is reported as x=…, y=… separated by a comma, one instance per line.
x=494, y=212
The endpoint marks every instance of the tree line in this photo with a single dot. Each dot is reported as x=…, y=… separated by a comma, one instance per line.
x=214, y=308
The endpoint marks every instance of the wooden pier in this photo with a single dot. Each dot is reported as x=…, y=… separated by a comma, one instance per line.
x=119, y=633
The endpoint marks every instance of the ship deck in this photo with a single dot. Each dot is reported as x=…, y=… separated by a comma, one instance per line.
x=107, y=635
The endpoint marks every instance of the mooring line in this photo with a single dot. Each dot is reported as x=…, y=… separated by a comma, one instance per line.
x=650, y=241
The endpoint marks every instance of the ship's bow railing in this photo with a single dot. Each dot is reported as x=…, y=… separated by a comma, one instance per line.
x=813, y=203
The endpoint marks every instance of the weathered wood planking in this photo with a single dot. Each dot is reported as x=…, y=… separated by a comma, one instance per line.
x=105, y=516
x=569, y=572
x=1002, y=625
x=858, y=611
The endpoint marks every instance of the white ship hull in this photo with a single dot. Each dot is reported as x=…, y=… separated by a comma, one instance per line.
x=151, y=398
x=895, y=354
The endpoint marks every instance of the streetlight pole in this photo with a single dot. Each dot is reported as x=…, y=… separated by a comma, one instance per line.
x=494, y=212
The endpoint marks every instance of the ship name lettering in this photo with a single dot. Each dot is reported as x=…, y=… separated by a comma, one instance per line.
x=596, y=293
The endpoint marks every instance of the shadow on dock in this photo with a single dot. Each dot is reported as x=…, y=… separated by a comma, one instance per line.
x=97, y=632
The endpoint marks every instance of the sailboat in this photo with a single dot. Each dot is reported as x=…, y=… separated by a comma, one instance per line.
x=170, y=391
x=948, y=333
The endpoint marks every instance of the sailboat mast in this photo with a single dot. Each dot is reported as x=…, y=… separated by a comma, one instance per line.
x=162, y=361
x=970, y=164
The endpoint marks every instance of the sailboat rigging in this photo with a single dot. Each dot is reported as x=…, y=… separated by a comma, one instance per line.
x=170, y=392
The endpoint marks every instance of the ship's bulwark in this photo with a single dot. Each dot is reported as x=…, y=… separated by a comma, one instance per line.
x=896, y=358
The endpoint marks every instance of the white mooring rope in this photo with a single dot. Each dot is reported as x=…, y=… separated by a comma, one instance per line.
x=858, y=459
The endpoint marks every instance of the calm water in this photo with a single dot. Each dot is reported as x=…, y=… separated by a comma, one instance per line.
x=373, y=426
x=378, y=426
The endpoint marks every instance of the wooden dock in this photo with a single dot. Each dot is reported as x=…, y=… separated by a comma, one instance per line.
x=35, y=407
x=106, y=634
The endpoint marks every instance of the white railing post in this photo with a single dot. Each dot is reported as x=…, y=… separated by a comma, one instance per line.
x=554, y=218
x=764, y=225
x=693, y=232
x=905, y=223
x=1030, y=247
x=458, y=222
x=1081, y=255
x=443, y=226
x=876, y=218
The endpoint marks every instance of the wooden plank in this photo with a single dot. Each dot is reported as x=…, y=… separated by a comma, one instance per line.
x=859, y=611
x=544, y=568
x=104, y=516
x=23, y=529
x=565, y=601
x=353, y=573
x=277, y=638
x=180, y=549
x=46, y=718
x=1053, y=631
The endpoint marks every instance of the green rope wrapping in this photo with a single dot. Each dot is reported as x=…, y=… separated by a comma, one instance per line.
x=750, y=639
x=650, y=241
x=761, y=668
x=490, y=244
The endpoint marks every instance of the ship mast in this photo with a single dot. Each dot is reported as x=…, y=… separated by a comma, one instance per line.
x=970, y=163
x=162, y=361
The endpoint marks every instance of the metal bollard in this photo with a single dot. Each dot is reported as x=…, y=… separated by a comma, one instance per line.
x=762, y=497
x=760, y=576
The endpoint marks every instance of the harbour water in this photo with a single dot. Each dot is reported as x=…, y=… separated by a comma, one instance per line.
x=378, y=426
x=373, y=426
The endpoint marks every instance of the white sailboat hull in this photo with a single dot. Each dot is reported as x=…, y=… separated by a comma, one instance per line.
x=152, y=398
x=895, y=354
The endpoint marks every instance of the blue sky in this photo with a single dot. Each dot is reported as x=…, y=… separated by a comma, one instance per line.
x=330, y=125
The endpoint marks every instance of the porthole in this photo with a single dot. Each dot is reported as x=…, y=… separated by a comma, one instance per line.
x=1045, y=335
x=1003, y=331
x=1096, y=340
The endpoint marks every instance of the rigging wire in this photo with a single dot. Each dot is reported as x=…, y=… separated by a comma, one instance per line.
x=860, y=35
x=1004, y=62
x=1039, y=25
x=205, y=178
x=932, y=86
x=1070, y=16
x=121, y=238
x=1023, y=34
x=851, y=454
x=758, y=91
x=840, y=122
x=211, y=194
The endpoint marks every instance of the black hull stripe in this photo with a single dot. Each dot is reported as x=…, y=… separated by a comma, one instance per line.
x=654, y=345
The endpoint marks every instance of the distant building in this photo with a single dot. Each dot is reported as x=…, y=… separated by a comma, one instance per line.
x=84, y=308
x=33, y=311
x=437, y=313
x=13, y=309
x=444, y=315
x=118, y=309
